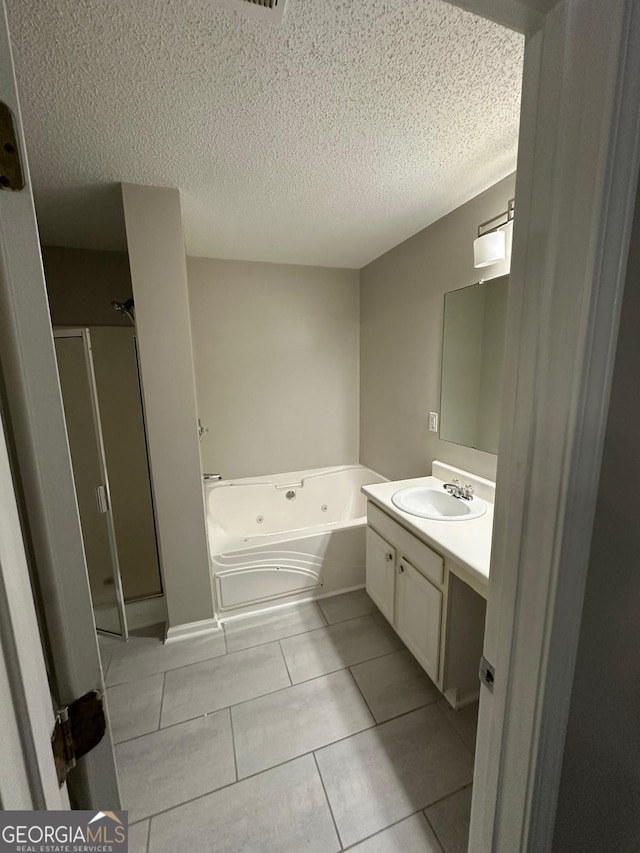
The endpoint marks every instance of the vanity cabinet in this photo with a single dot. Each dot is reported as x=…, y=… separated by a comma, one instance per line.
x=430, y=580
x=430, y=604
x=400, y=576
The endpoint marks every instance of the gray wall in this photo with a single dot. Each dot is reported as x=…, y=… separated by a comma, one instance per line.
x=493, y=347
x=159, y=275
x=82, y=284
x=276, y=352
x=461, y=365
x=599, y=803
x=401, y=311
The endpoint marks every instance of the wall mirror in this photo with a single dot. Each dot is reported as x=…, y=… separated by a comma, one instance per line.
x=473, y=343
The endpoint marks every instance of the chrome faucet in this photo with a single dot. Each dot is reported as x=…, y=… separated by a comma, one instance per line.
x=456, y=490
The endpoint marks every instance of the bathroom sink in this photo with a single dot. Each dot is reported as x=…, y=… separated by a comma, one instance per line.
x=429, y=502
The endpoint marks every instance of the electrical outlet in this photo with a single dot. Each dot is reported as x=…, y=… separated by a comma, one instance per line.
x=433, y=422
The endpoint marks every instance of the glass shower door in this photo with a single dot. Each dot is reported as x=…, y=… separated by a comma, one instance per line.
x=82, y=415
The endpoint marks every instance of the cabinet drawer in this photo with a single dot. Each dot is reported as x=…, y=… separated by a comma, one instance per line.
x=430, y=564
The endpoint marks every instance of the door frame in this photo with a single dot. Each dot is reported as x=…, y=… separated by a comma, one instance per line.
x=43, y=484
x=85, y=335
x=577, y=179
x=26, y=711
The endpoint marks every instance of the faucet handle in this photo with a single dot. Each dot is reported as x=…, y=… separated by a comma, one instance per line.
x=456, y=483
x=468, y=491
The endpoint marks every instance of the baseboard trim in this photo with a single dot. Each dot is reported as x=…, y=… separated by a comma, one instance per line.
x=230, y=616
x=192, y=629
x=145, y=612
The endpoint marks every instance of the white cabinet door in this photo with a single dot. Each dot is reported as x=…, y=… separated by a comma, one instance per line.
x=381, y=562
x=418, y=615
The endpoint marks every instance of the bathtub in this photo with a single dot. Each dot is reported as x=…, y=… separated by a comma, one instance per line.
x=286, y=537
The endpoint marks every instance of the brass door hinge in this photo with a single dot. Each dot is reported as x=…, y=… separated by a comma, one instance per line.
x=487, y=674
x=11, y=176
x=79, y=727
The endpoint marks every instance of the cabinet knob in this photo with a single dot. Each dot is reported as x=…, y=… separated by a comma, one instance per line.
x=388, y=557
x=400, y=568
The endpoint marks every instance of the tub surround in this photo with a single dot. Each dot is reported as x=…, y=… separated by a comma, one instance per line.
x=466, y=543
x=276, y=357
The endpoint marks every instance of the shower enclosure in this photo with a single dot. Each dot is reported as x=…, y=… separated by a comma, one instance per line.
x=105, y=422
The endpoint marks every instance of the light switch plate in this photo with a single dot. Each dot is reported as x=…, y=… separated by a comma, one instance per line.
x=433, y=422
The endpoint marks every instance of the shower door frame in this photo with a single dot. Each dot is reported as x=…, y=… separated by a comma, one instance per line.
x=85, y=335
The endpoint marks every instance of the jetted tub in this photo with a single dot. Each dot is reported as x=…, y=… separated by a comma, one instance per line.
x=287, y=537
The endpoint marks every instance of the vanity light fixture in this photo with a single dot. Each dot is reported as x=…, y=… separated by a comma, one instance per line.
x=491, y=243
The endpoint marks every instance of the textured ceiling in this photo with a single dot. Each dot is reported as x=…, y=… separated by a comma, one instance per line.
x=325, y=139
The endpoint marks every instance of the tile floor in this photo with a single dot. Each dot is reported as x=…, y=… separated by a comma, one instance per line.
x=308, y=729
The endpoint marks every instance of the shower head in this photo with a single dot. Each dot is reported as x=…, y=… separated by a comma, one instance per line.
x=125, y=308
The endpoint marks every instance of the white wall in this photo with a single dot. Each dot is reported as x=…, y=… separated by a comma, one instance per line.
x=598, y=806
x=276, y=353
x=401, y=309
x=159, y=276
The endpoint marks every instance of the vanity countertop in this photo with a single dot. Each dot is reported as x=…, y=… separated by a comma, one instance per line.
x=466, y=543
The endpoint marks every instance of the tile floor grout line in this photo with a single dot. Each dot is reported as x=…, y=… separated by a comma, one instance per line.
x=346, y=666
x=322, y=613
x=364, y=698
x=437, y=802
x=286, y=666
x=150, y=817
x=446, y=797
x=380, y=831
x=164, y=684
x=204, y=714
x=462, y=740
x=340, y=621
x=227, y=653
x=433, y=829
x=302, y=755
x=288, y=687
x=423, y=812
x=281, y=690
x=105, y=671
x=315, y=749
x=170, y=668
x=289, y=761
x=233, y=745
x=308, y=631
x=326, y=796
x=472, y=749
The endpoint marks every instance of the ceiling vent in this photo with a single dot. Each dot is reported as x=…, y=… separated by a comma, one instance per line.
x=269, y=4
x=268, y=10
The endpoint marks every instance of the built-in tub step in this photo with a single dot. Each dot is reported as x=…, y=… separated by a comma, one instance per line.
x=251, y=585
